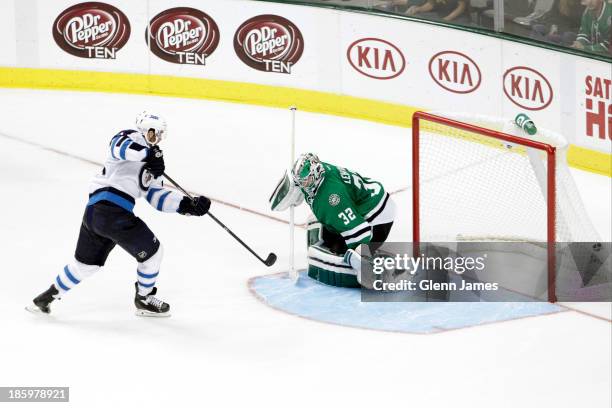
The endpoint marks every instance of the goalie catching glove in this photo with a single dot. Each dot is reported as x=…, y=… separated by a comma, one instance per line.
x=198, y=206
x=286, y=194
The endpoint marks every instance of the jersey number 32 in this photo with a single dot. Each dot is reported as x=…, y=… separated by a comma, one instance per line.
x=347, y=216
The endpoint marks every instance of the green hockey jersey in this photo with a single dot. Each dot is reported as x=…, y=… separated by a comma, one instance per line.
x=595, y=29
x=346, y=202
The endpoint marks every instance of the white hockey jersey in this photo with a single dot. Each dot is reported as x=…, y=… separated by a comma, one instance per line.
x=124, y=177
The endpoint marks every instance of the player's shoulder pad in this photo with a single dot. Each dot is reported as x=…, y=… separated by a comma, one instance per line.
x=126, y=132
x=124, y=135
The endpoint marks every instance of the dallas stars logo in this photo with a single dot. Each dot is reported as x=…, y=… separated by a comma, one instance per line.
x=334, y=200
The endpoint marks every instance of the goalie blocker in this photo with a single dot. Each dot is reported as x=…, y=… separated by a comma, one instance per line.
x=349, y=210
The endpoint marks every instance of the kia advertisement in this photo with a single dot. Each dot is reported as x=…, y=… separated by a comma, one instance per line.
x=527, y=88
x=376, y=58
x=455, y=72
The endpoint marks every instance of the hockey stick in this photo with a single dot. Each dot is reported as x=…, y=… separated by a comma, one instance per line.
x=269, y=261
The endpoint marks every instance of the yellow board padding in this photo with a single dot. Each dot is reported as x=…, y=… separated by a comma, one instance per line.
x=241, y=92
x=590, y=160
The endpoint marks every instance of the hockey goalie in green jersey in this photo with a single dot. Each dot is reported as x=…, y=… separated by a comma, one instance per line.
x=349, y=209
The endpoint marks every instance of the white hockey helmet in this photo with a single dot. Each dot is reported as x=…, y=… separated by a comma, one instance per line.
x=146, y=122
x=308, y=173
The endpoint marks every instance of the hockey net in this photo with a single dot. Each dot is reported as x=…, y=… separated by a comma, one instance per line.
x=477, y=178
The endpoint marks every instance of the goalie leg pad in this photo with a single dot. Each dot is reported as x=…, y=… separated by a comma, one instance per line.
x=330, y=269
x=314, y=232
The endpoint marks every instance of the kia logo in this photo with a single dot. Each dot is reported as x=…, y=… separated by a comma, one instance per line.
x=527, y=88
x=455, y=72
x=376, y=58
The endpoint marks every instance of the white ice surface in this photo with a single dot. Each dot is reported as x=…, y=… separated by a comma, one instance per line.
x=223, y=347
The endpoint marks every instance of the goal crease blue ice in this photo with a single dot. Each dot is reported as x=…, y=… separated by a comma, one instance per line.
x=343, y=306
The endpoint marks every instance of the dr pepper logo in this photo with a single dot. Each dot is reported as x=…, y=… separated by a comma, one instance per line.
x=183, y=35
x=527, y=88
x=269, y=43
x=376, y=58
x=455, y=72
x=91, y=30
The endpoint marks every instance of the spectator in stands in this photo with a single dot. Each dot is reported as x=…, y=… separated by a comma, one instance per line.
x=455, y=11
x=560, y=24
x=610, y=43
x=594, y=34
x=399, y=6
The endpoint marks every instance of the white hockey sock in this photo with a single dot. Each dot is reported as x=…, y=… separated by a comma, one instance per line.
x=148, y=271
x=72, y=275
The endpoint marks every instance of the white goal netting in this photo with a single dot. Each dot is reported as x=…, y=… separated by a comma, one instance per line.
x=475, y=187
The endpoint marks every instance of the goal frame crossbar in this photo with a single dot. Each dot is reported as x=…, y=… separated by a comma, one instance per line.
x=551, y=202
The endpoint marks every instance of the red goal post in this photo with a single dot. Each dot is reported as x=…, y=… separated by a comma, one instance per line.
x=549, y=150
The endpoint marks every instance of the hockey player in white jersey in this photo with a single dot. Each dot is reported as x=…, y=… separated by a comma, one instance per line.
x=134, y=168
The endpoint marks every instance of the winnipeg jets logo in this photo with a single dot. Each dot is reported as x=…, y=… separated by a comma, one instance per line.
x=334, y=200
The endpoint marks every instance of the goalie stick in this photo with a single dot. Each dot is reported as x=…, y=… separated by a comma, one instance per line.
x=269, y=261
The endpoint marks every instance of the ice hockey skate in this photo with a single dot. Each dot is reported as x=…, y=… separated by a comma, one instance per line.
x=150, y=306
x=42, y=302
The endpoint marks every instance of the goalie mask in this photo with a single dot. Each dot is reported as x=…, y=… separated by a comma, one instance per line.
x=152, y=127
x=308, y=173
